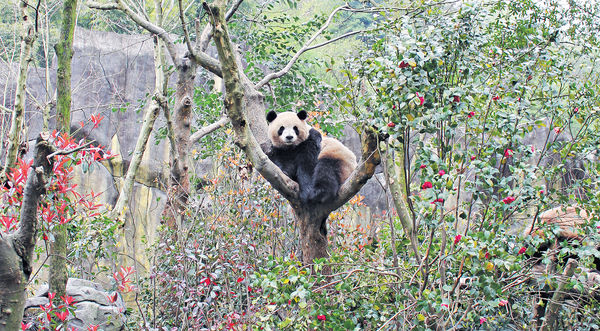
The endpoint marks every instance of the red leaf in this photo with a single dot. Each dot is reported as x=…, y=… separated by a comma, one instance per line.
x=62, y=315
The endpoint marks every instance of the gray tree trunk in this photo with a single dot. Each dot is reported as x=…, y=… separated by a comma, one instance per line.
x=16, y=250
x=57, y=279
x=14, y=136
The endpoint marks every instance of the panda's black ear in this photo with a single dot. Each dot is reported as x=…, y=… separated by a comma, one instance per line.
x=271, y=116
x=302, y=115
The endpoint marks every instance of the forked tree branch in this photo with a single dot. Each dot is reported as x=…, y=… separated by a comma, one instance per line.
x=208, y=129
x=370, y=159
x=305, y=48
x=207, y=32
x=245, y=139
x=206, y=61
x=202, y=41
x=141, y=21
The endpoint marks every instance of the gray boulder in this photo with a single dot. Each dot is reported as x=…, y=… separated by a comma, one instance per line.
x=92, y=306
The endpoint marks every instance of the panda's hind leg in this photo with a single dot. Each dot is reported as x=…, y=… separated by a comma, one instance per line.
x=326, y=181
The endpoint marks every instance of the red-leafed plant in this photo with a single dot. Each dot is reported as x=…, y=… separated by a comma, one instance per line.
x=37, y=195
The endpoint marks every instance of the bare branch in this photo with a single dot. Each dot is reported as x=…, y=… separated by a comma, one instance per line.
x=186, y=35
x=208, y=129
x=207, y=62
x=157, y=30
x=287, y=68
x=144, y=23
x=304, y=48
x=327, y=42
x=232, y=10
x=5, y=110
x=70, y=151
x=102, y=6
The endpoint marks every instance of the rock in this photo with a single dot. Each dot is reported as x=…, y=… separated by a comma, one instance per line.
x=92, y=306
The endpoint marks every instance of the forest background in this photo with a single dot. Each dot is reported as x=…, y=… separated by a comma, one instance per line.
x=476, y=125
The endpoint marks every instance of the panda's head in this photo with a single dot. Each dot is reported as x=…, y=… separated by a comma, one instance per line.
x=287, y=129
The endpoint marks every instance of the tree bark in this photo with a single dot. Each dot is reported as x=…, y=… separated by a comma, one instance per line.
x=14, y=137
x=179, y=180
x=312, y=224
x=57, y=280
x=16, y=250
x=555, y=303
x=396, y=181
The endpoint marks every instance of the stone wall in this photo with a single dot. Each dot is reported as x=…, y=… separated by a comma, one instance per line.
x=112, y=74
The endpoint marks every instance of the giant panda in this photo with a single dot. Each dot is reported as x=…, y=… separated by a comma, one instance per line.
x=567, y=222
x=320, y=165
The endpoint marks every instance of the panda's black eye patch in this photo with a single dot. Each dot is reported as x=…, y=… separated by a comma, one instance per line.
x=280, y=131
x=296, y=130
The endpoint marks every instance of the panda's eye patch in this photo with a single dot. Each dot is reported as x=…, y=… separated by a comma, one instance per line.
x=280, y=131
x=296, y=130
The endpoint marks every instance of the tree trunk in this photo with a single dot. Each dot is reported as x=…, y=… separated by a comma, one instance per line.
x=313, y=233
x=179, y=180
x=64, y=54
x=16, y=250
x=14, y=136
x=556, y=302
x=395, y=175
x=64, y=51
x=13, y=280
